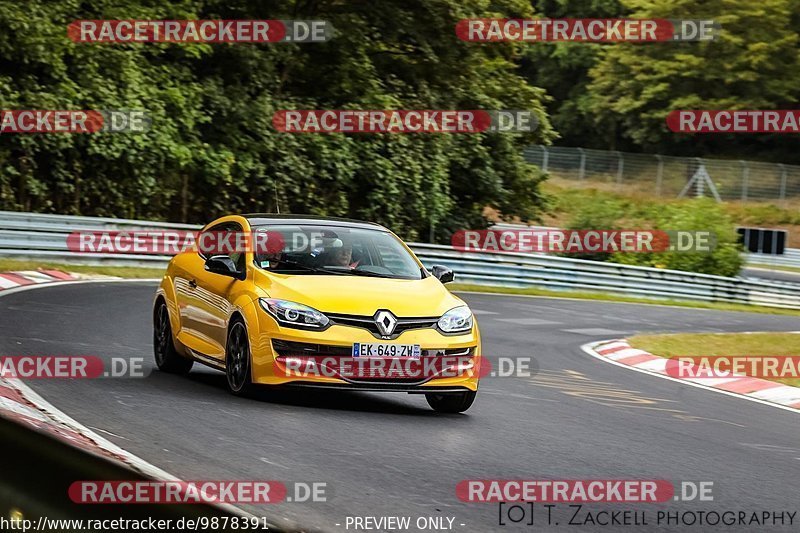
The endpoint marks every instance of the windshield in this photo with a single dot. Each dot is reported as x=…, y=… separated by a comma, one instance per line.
x=334, y=250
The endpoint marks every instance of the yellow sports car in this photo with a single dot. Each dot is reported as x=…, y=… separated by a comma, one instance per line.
x=321, y=302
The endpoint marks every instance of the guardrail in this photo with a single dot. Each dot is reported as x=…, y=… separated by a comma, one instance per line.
x=35, y=236
x=44, y=237
x=789, y=258
x=560, y=273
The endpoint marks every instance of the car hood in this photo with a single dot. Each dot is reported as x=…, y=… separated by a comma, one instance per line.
x=358, y=295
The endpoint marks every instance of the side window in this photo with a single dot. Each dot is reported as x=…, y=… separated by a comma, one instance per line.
x=238, y=257
x=214, y=229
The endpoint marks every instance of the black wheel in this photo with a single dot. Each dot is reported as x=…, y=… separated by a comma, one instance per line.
x=237, y=360
x=450, y=402
x=167, y=357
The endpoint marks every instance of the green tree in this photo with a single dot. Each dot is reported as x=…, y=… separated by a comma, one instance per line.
x=212, y=148
x=562, y=69
x=751, y=64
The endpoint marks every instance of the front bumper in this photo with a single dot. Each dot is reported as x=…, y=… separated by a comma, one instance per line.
x=280, y=357
x=377, y=387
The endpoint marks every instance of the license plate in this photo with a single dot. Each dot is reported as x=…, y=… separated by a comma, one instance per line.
x=364, y=349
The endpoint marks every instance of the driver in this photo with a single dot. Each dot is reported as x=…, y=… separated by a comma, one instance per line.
x=270, y=260
x=341, y=254
x=270, y=249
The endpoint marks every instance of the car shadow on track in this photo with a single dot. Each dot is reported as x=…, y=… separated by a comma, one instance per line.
x=314, y=398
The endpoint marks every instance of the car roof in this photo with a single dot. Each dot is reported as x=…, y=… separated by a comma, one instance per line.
x=270, y=219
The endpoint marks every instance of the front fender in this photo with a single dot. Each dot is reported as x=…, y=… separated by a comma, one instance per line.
x=166, y=290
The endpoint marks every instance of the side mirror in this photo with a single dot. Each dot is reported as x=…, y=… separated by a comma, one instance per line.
x=444, y=274
x=222, y=265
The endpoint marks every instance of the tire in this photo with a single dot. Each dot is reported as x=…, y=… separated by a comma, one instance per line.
x=450, y=402
x=237, y=360
x=167, y=357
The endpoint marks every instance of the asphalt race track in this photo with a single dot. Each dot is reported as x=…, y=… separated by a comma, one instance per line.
x=389, y=454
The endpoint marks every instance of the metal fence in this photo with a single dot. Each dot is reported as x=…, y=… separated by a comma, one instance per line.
x=668, y=176
x=44, y=237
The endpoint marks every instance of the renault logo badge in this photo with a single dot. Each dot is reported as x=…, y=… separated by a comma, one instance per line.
x=386, y=322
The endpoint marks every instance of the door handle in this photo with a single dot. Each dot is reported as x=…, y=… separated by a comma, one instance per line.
x=192, y=283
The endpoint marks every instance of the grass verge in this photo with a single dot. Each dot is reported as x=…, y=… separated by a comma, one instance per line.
x=610, y=297
x=569, y=197
x=123, y=272
x=782, y=268
x=707, y=344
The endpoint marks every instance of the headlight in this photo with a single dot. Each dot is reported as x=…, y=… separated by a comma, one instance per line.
x=456, y=320
x=293, y=314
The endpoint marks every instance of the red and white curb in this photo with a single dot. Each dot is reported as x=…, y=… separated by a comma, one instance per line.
x=620, y=353
x=21, y=278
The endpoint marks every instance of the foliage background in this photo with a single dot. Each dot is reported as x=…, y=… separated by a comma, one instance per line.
x=212, y=148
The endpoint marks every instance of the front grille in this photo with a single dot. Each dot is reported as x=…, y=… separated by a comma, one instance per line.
x=289, y=348
x=368, y=323
x=298, y=359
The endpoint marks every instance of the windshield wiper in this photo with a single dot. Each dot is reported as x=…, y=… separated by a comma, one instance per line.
x=370, y=274
x=305, y=267
x=366, y=273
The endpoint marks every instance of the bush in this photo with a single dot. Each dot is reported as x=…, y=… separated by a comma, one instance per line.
x=696, y=215
x=692, y=215
x=597, y=215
